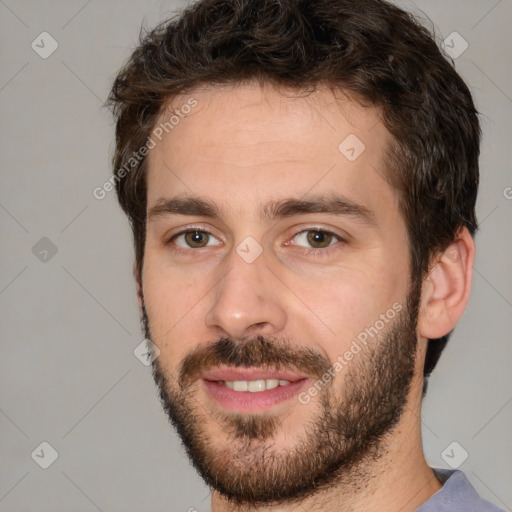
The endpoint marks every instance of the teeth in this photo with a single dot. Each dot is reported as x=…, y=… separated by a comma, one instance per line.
x=272, y=383
x=254, y=386
x=240, y=385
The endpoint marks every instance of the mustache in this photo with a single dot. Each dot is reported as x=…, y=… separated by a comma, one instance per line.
x=261, y=351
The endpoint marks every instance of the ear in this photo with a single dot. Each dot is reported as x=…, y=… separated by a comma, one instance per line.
x=446, y=289
x=138, y=281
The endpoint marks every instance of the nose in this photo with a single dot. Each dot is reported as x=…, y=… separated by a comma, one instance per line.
x=245, y=303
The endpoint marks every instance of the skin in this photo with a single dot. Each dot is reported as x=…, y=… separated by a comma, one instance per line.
x=245, y=146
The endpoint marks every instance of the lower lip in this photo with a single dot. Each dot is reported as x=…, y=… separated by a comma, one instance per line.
x=246, y=401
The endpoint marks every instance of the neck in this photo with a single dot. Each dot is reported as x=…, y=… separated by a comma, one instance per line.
x=398, y=479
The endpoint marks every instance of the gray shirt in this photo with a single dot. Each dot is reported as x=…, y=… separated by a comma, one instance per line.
x=456, y=495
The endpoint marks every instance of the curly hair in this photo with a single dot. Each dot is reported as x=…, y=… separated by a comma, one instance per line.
x=380, y=54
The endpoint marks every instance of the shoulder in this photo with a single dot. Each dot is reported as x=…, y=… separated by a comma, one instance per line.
x=456, y=495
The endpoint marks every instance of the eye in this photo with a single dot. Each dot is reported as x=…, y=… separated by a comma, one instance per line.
x=316, y=238
x=194, y=239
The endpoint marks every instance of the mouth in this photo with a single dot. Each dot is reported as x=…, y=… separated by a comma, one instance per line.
x=252, y=389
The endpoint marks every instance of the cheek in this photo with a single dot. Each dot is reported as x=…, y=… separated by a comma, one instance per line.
x=174, y=304
x=339, y=307
x=344, y=304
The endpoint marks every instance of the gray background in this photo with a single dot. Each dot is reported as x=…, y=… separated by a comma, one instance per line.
x=70, y=322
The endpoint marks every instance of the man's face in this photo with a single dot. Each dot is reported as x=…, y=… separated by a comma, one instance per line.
x=274, y=249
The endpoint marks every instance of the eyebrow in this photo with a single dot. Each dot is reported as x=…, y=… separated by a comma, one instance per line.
x=329, y=204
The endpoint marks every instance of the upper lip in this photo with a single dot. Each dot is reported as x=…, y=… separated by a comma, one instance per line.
x=252, y=373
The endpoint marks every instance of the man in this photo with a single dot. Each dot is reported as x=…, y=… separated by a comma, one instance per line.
x=301, y=180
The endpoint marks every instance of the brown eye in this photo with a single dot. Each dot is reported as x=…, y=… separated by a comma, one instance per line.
x=319, y=239
x=194, y=239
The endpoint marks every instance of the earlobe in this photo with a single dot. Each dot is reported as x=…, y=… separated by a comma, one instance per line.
x=447, y=287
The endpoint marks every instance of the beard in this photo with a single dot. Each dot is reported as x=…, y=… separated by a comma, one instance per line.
x=342, y=436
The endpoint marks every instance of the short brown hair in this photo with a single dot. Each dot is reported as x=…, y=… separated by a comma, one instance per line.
x=377, y=52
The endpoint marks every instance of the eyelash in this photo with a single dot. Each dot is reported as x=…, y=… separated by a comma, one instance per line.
x=313, y=251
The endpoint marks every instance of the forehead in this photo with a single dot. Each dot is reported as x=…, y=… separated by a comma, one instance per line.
x=249, y=143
